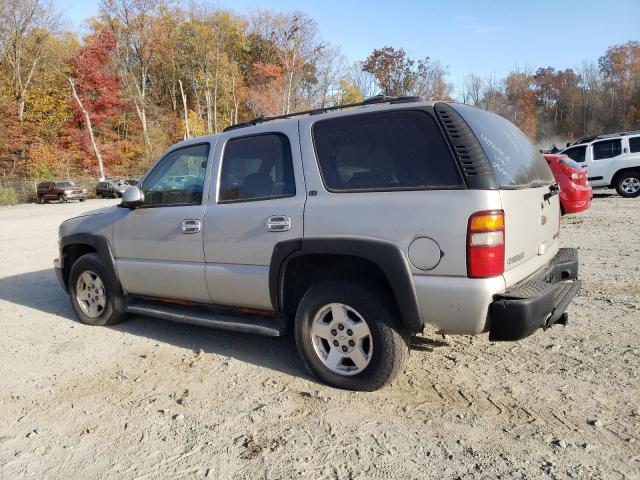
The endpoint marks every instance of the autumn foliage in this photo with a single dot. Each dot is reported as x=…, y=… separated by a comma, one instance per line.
x=149, y=74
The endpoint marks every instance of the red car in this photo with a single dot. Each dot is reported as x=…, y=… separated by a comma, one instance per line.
x=575, y=191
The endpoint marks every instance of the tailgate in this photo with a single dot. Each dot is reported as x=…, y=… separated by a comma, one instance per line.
x=532, y=225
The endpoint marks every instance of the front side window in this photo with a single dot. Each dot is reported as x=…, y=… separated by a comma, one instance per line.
x=178, y=179
x=607, y=149
x=259, y=167
x=576, y=153
x=634, y=144
x=400, y=150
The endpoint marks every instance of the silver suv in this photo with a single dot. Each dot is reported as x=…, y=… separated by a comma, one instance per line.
x=353, y=227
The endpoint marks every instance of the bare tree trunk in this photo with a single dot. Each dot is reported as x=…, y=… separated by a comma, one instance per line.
x=187, y=133
x=207, y=95
x=235, y=100
x=89, y=128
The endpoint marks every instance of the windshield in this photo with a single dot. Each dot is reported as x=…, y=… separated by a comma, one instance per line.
x=570, y=163
x=64, y=184
x=515, y=160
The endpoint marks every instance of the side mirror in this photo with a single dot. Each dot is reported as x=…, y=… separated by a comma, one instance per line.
x=132, y=198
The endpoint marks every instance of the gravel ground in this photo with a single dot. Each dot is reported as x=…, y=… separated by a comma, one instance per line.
x=151, y=399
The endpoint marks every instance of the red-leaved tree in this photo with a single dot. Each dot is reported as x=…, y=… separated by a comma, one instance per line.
x=95, y=88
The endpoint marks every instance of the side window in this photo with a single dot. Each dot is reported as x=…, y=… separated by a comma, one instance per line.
x=634, y=144
x=401, y=150
x=607, y=149
x=259, y=167
x=576, y=153
x=178, y=179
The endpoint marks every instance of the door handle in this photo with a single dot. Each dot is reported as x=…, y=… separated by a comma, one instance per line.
x=278, y=223
x=190, y=226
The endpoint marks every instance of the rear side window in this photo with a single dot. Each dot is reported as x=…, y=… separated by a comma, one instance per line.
x=576, y=153
x=634, y=144
x=259, y=167
x=515, y=160
x=607, y=149
x=401, y=150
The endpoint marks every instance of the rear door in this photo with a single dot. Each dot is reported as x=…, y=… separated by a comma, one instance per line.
x=256, y=202
x=527, y=190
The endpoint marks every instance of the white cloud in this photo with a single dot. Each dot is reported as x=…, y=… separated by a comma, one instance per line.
x=471, y=24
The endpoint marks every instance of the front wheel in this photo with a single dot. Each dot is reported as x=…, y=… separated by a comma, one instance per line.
x=349, y=335
x=628, y=185
x=93, y=295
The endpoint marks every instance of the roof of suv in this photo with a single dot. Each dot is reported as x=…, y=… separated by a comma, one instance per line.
x=587, y=140
x=376, y=103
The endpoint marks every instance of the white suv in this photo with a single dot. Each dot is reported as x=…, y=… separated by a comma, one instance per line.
x=611, y=161
x=353, y=228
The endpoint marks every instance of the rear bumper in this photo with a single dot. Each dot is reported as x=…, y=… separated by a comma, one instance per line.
x=538, y=302
x=74, y=196
x=576, y=199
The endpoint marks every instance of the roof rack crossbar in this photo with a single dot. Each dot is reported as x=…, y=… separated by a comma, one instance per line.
x=316, y=111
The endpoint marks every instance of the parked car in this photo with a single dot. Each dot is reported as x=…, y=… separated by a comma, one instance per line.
x=575, y=191
x=351, y=228
x=111, y=188
x=61, y=191
x=612, y=161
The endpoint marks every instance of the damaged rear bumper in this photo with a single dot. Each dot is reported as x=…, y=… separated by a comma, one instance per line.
x=538, y=302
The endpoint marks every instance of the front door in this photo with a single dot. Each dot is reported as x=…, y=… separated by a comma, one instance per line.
x=158, y=247
x=256, y=202
x=603, y=156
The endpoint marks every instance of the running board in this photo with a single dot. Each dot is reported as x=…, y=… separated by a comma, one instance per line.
x=206, y=317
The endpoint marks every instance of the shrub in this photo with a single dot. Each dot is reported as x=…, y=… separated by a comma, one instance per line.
x=8, y=196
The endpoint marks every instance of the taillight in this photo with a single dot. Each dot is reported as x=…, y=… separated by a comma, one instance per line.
x=485, y=244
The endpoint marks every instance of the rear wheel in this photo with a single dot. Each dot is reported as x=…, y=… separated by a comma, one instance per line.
x=93, y=295
x=349, y=336
x=40, y=199
x=628, y=185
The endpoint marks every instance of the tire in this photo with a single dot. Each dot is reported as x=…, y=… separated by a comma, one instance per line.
x=81, y=200
x=109, y=308
x=384, y=351
x=98, y=195
x=40, y=199
x=628, y=185
x=61, y=199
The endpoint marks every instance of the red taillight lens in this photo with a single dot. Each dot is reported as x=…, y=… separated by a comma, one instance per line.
x=485, y=244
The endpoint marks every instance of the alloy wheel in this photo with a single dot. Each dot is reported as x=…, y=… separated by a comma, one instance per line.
x=630, y=185
x=90, y=294
x=341, y=339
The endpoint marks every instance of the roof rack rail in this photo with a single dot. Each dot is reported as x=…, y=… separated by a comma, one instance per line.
x=603, y=136
x=316, y=111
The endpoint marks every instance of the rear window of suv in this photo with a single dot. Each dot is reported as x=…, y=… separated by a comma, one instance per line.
x=515, y=160
x=397, y=150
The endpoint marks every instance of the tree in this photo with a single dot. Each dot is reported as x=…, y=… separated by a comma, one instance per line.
x=472, y=89
x=620, y=67
x=26, y=30
x=521, y=99
x=95, y=87
x=430, y=82
x=134, y=24
x=393, y=70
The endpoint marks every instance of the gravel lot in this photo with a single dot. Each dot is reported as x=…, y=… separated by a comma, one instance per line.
x=152, y=399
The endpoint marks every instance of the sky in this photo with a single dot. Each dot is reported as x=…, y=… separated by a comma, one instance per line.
x=484, y=37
